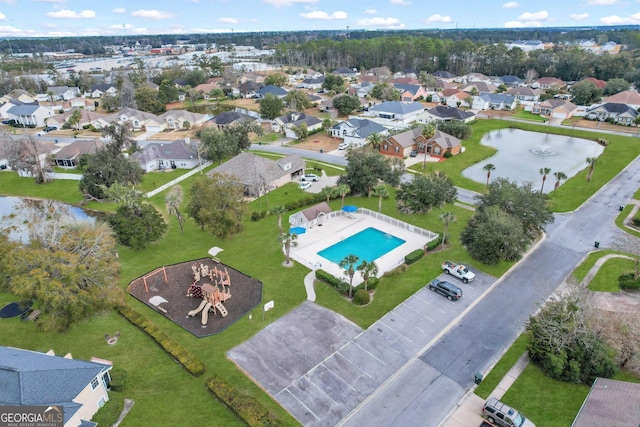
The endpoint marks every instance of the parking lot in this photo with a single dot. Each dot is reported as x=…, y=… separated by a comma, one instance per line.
x=321, y=367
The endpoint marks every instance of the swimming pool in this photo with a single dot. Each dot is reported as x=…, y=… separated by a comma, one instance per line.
x=369, y=244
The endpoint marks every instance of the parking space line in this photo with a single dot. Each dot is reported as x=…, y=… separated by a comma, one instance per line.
x=398, y=333
x=349, y=362
x=363, y=349
x=302, y=403
x=338, y=377
x=409, y=322
x=433, y=305
x=421, y=314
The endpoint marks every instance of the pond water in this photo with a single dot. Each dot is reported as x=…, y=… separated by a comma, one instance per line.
x=211, y=109
x=16, y=212
x=521, y=154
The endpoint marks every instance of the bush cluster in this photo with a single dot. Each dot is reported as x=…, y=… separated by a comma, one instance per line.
x=636, y=221
x=119, y=379
x=361, y=297
x=434, y=243
x=340, y=285
x=256, y=216
x=250, y=410
x=626, y=281
x=191, y=363
x=414, y=256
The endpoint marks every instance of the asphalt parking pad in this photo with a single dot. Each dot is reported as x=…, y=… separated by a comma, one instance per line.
x=288, y=348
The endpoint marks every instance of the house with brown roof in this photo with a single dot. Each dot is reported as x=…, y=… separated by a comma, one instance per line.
x=442, y=143
x=452, y=97
x=480, y=87
x=69, y=156
x=546, y=83
x=600, y=84
x=310, y=216
x=403, y=143
x=555, y=109
x=610, y=403
x=525, y=94
x=629, y=97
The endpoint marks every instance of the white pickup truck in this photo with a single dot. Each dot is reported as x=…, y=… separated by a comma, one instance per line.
x=459, y=271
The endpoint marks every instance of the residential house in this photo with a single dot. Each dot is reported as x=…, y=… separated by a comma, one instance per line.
x=87, y=118
x=444, y=75
x=7, y=105
x=473, y=78
x=494, y=101
x=272, y=89
x=259, y=175
x=9, y=155
x=206, y=89
x=83, y=103
x=312, y=83
x=526, y=45
x=30, y=378
x=59, y=93
x=355, y=131
x=525, y=94
x=137, y=119
x=555, y=109
x=404, y=112
x=546, y=83
x=21, y=95
x=347, y=73
x=442, y=143
x=252, y=77
x=249, y=89
x=379, y=73
x=610, y=403
x=600, y=84
x=326, y=106
x=479, y=87
x=229, y=118
x=361, y=89
x=443, y=84
x=621, y=114
x=454, y=97
x=509, y=81
x=287, y=123
x=311, y=216
x=444, y=113
x=179, y=154
x=405, y=81
x=309, y=74
x=98, y=90
x=182, y=119
x=410, y=93
x=629, y=97
x=69, y=155
x=29, y=115
x=403, y=143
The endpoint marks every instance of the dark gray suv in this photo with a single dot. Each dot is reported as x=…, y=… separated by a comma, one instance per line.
x=449, y=290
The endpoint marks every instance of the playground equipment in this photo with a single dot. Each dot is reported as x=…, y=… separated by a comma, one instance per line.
x=212, y=299
x=157, y=270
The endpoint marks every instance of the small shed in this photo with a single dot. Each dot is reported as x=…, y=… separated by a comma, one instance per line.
x=310, y=217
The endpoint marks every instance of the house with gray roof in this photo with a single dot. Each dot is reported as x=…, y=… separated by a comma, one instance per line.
x=409, y=92
x=179, y=154
x=59, y=93
x=69, y=155
x=272, y=89
x=404, y=112
x=355, y=131
x=312, y=83
x=345, y=72
x=39, y=379
x=610, y=403
x=509, y=81
x=287, y=123
x=620, y=114
x=494, y=101
x=259, y=175
x=229, y=118
x=525, y=94
x=178, y=119
x=445, y=113
x=29, y=115
x=100, y=89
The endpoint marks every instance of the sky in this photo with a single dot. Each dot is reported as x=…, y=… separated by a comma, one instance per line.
x=56, y=18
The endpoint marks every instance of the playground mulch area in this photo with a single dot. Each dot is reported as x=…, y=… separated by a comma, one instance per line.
x=246, y=293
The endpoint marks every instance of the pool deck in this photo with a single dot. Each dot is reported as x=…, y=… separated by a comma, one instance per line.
x=338, y=228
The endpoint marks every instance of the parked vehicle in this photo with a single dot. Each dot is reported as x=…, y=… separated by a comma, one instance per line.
x=310, y=177
x=449, y=290
x=413, y=153
x=502, y=415
x=305, y=185
x=343, y=146
x=459, y=271
x=49, y=129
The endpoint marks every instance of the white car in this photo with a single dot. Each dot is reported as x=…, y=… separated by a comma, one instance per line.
x=304, y=185
x=310, y=177
x=343, y=146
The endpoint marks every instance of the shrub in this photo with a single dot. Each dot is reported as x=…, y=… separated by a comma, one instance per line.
x=263, y=214
x=413, y=256
x=87, y=126
x=636, y=221
x=255, y=216
x=331, y=280
x=191, y=363
x=249, y=409
x=626, y=281
x=434, y=243
x=361, y=297
x=118, y=379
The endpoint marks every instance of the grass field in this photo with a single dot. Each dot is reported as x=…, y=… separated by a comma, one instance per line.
x=606, y=279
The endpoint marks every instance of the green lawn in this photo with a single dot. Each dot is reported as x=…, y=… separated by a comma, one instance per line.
x=606, y=279
x=519, y=113
x=506, y=362
x=581, y=271
x=621, y=218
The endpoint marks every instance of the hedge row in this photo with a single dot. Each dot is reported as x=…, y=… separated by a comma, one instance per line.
x=119, y=378
x=626, y=281
x=434, y=243
x=250, y=410
x=414, y=256
x=342, y=286
x=191, y=363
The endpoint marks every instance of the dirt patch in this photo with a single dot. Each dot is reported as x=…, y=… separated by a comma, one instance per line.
x=317, y=142
x=246, y=103
x=246, y=294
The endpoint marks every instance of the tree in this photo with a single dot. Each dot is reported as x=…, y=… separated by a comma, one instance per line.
x=328, y=192
x=68, y=269
x=346, y=104
x=297, y=100
x=368, y=269
x=110, y=103
x=585, y=92
x=489, y=167
x=366, y=168
x=384, y=92
x=455, y=128
x=621, y=331
x=276, y=79
x=104, y=168
x=447, y=218
x=279, y=211
x=381, y=192
x=343, y=190
x=172, y=201
x=544, y=172
x=216, y=203
x=375, y=141
x=333, y=83
x=167, y=92
x=559, y=177
x=120, y=138
x=616, y=85
x=217, y=144
x=591, y=161
x=288, y=240
x=271, y=106
x=425, y=192
x=24, y=154
x=147, y=99
x=348, y=263
x=301, y=131
x=136, y=225
x=74, y=119
x=428, y=81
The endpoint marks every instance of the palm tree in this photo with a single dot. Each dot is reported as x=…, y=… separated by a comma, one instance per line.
x=488, y=167
x=347, y=263
x=173, y=200
x=374, y=141
x=288, y=240
x=544, y=172
x=343, y=190
x=367, y=269
x=591, y=161
x=447, y=217
x=382, y=192
x=279, y=210
x=328, y=192
x=559, y=176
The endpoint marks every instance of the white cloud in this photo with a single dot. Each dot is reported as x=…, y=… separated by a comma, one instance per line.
x=151, y=14
x=119, y=27
x=403, y=2
x=229, y=20
x=437, y=18
x=522, y=24
x=280, y=3
x=2, y=16
x=534, y=16
x=370, y=11
x=8, y=1
x=72, y=14
x=579, y=17
x=318, y=14
x=602, y=2
x=391, y=23
x=511, y=5
x=618, y=20
x=119, y=10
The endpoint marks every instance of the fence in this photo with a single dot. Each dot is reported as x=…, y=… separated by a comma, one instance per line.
x=397, y=223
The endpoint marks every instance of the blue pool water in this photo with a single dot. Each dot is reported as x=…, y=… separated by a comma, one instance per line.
x=369, y=244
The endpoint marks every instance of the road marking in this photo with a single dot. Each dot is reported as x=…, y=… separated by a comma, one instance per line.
x=350, y=363
x=303, y=405
x=397, y=332
x=363, y=349
x=409, y=322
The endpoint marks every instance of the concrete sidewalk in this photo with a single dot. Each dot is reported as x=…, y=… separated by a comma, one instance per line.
x=468, y=412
